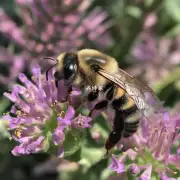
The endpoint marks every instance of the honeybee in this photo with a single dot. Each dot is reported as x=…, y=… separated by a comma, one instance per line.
x=127, y=97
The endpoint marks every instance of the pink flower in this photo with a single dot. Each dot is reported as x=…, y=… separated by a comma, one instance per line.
x=117, y=165
x=38, y=117
x=153, y=145
x=49, y=28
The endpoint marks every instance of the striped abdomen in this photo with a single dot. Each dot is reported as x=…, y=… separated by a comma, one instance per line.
x=127, y=115
x=126, y=120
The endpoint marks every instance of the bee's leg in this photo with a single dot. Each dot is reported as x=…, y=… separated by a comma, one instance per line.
x=113, y=139
x=108, y=90
x=68, y=92
x=70, y=89
x=47, y=76
x=93, y=95
x=106, y=153
x=56, y=82
x=100, y=105
x=116, y=134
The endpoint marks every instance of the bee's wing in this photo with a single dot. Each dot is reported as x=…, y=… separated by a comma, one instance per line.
x=143, y=96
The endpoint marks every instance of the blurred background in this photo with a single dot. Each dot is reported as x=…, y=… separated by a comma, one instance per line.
x=143, y=35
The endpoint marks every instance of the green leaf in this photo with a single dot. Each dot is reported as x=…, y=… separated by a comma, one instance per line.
x=94, y=172
x=177, y=85
x=52, y=123
x=74, y=139
x=148, y=3
x=106, y=173
x=91, y=155
x=3, y=131
x=76, y=156
x=174, y=31
x=134, y=11
x=4, y=103
x=172, y=8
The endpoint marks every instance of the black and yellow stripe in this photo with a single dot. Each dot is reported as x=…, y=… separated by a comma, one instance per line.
x=127, y=115
x=127, y=112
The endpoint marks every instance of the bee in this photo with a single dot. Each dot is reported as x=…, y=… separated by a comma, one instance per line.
x=127, y=97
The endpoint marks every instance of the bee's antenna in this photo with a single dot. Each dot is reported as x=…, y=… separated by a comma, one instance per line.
x=50, y=58
x=47, y=71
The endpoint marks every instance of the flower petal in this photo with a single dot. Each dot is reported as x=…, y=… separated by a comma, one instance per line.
x=117, y=165
x=146, y=175
x=60, y=153
x=69, y=114
x=36, y=71
x=134, y=169
x=58, y=136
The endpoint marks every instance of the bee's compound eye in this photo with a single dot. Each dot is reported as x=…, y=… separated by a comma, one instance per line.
x=72, y=67
x=58, y=75
x=69, y=70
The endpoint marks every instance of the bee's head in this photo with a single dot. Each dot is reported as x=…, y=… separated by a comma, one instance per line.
x=66, y=67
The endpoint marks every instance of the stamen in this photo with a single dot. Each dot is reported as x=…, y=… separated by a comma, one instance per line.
x=18, y=132
x=19, y=113
x=136, y=149
x=38, y=110
x=62, y=113
x=7, y=113
x=33, y=77
x=171, y=171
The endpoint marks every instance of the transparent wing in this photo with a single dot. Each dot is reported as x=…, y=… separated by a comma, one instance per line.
x=143, y=96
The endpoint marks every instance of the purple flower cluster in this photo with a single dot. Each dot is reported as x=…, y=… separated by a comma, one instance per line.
x=159, y=54
x=41, y=113
x=51, y=27
x=15, y=62
x=153, y=148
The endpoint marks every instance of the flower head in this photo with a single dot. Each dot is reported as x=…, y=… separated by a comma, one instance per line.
x=159, y=54
x=117, y=165
x=52, y=27
x=81, y=122
x=153, y=147
x=40, y=116
x=134, y=169
x=146, y=175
